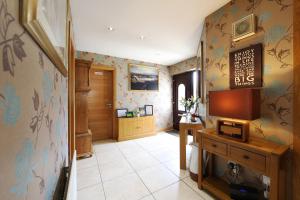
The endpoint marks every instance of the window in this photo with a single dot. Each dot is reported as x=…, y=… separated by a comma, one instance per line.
x=181, y=95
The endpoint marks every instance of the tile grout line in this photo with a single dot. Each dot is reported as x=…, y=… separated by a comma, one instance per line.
x=100, y=175
x=136, y=173
x=193, y=190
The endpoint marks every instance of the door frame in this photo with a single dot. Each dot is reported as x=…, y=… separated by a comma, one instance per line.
x=114, y=74
x=296, y=113
x=174, y=93
x=71, y=89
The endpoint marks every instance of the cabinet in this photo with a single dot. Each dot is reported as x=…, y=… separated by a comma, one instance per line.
x=83, y=136
x=257, y=154
x=131, y=128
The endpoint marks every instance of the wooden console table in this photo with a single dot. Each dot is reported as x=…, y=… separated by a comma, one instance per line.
x=258, y=154
x=184, y=126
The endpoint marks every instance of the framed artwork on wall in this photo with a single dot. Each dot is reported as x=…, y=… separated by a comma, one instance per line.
x=122, y=112
x=246, y=67
x=148, y=110
x=46, y=21
x=244, y=27
x=143, y=78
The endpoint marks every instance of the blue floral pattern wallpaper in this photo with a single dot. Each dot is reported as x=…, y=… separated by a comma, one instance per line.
x=274, y=31
x=33, y=113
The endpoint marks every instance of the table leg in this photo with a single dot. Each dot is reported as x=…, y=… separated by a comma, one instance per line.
x=274, y=176
x=183, y=141
x=200, y=164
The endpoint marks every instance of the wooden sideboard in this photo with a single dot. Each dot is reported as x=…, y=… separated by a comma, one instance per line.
x=136, y=127
x=258, y=154
x=83, y=139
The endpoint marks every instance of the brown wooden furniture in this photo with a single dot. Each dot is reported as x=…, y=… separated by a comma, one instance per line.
x=100, y=103
x=131, y=128
x=184, y=126
x=82, y=87
x=257, y=154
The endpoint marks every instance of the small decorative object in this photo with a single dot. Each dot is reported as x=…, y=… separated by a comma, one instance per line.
x=137, y=113
x=148, y=110
x=47, y=23
x=189, y=104
x=246, y=67
x=244, y=27
x=122, y=112
x=129, y=114
x=235, y=130
x=142, y=111
x=143, y=78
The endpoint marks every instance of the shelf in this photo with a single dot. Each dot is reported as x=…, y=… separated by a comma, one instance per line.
x=217, y=187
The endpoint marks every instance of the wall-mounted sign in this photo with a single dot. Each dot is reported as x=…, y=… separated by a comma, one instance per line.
x=246, y=67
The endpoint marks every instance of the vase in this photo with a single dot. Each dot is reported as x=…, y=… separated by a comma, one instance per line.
x=188, y=115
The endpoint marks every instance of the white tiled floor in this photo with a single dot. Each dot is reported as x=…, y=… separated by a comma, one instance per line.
x=141, y=169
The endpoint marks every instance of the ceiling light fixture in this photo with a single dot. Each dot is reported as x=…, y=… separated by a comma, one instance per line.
x=110, y=28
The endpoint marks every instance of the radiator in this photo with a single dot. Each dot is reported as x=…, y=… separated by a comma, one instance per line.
x=71, y=186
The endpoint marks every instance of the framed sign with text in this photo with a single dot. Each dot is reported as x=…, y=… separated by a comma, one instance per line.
x=246, y=67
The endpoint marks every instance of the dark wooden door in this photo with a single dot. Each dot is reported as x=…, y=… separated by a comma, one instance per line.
x=182, y=87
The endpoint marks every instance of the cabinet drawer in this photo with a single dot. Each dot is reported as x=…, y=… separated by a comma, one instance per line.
x=214, y=146
x=248, y=158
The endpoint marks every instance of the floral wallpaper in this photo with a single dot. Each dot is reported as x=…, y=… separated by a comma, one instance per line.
x=183, y=66
x=33, y=113
x=275, y=24
x=161, y=100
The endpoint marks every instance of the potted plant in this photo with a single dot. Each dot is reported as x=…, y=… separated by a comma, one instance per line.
x=189, y=104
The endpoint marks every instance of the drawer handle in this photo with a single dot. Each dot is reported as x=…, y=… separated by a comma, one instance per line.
x=214, y=145
x=246, y=157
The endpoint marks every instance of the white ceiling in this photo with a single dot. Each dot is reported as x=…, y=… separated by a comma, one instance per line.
x=171, y=28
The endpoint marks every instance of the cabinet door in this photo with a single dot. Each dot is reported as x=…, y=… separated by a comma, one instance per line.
x=127, y=127
x=81, y=125
x=148, y=124
x=82, y=79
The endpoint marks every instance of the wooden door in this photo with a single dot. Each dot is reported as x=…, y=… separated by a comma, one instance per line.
x=100, y=104
x=182, y=87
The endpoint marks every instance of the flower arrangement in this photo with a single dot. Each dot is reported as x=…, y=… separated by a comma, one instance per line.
x=189, y=103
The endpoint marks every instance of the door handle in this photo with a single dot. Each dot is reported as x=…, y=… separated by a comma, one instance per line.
x=109, y=105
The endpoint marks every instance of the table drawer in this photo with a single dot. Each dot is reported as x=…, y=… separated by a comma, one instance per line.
x=214, y=146
x=248, y=158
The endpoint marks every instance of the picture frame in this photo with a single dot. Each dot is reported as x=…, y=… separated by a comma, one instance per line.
x=244, y=28
x=47, y=23
x=246, y=67
x=129, y=115
x=148, y=110
x=121, y=112
x=143, y=78
x=142, y=111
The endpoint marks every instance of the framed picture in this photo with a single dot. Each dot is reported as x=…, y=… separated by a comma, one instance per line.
x=148, y=110
x=143, y=78
x=129, y=114
x=142, y=111
x=47, y=23
x=244, y=27
x=246, y=67
x=121, y=112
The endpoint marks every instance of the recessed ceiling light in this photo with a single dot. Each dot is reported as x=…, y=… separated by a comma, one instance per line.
x=110, y=28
